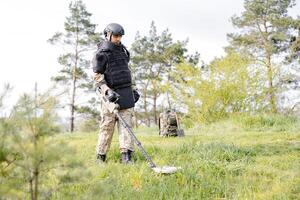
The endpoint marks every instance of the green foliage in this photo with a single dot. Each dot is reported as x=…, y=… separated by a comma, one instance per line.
x=266, y=27
x=35, y=117
x=6, y=128
x=28, y=150
x=214, y=93
x=266, y=33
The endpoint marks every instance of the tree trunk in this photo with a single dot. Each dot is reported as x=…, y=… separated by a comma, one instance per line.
x=271, y=86
x=36, y=182
x=154, y=107
x=145, y=107
x=169, y=100
x=31, y=187
x=147, y=116
x=73, y=102
x=74, y=78
x=265, y=34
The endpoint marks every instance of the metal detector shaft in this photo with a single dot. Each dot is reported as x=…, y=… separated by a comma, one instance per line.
x=138, y=143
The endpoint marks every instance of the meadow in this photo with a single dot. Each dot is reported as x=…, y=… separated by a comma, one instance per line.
x=224, y=160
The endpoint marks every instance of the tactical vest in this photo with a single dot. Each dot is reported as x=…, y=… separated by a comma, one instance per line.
x=117, y=74
x=172, y=121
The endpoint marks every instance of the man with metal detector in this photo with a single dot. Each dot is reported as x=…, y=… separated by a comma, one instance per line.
x=114, y=85
x=113, y=79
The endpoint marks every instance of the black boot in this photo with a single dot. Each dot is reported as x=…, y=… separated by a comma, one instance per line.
x=101, y=158
x=130, y=153
x=126, y=157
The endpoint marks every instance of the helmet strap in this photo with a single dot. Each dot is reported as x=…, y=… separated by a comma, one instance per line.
x=110, y=37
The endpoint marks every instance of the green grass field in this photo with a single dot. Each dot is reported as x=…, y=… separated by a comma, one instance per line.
x=217, y=163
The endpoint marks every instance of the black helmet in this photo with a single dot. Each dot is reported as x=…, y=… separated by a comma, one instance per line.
x=114, y=28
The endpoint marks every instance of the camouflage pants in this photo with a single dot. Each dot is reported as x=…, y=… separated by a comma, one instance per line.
x=163, y=124
x=107, y=126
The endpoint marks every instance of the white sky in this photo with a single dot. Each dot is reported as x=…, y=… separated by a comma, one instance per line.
x=27, y=58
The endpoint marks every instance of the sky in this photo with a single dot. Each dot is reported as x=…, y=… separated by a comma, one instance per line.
x=26, y=57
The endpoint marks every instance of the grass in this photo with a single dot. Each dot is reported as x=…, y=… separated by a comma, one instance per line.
x=235, y=159
x=228, y=164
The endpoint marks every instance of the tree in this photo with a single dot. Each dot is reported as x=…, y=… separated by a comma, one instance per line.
x=29, y=152
x=153, y=58
x=79, y=37
x=294, y=51
x=207, y=94
x=266, y=35
x=6, y=157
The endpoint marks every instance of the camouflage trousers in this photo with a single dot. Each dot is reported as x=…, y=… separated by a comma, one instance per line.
x=107, y=126
x=163, y=123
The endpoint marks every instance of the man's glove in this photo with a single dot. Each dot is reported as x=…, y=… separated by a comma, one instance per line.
x=112, y=96
x=136, y=95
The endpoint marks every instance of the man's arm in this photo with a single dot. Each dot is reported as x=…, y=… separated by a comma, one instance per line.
x=99, y=66
x=100, y=82
x=99, y=62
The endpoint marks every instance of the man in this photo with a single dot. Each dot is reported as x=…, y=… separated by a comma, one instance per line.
x=113, y=77
x=168, y=124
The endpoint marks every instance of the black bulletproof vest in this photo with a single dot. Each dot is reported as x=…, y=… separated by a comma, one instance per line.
x=117, y=74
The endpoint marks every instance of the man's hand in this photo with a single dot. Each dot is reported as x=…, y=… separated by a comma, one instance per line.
x=136, y=95
x=111, y=95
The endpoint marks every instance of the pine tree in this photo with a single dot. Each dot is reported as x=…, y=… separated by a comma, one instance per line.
x=79, y=37
x=153, y=57
x=28, y=153
x=266, y=35
x=6, y=128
